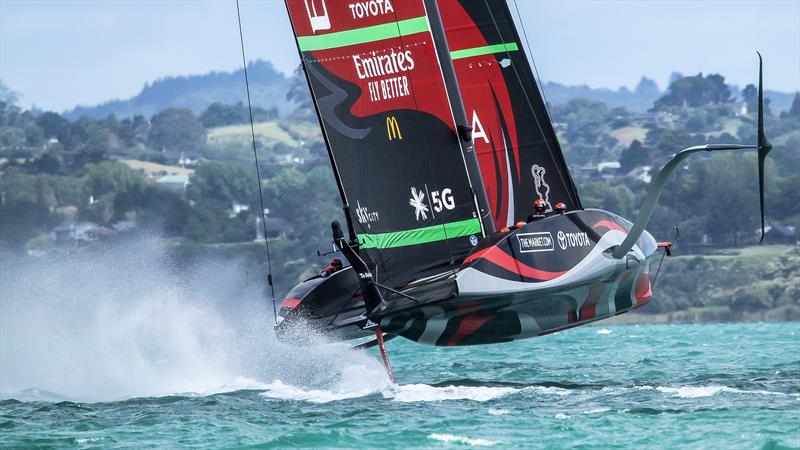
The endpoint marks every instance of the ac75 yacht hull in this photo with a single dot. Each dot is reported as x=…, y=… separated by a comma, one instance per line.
x=548, y=275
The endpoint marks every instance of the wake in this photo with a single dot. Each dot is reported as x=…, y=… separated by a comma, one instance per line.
x=127, y=322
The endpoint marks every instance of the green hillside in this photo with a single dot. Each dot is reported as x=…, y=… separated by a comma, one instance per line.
x=196, y=92
x=269, y=133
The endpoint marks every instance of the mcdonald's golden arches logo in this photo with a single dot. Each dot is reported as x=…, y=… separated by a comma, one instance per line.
x=393, y=128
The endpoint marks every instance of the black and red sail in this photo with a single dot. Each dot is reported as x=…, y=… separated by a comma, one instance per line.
x=384, y=108
x=517, y=148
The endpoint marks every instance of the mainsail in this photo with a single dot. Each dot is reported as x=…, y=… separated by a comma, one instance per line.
x=392, y=137
x=518, y=151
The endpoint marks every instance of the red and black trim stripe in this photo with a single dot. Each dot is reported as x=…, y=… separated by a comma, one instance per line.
x=496, y=262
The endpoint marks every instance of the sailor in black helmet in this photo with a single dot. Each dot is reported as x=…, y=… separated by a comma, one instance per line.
x=539, y=209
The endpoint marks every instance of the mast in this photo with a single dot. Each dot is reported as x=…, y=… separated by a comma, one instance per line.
x=460, y=117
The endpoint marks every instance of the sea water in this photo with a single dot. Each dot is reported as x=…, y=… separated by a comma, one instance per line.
x=121, y=352
x=644, y=386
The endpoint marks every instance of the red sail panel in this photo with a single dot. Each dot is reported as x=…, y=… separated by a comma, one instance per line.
x=382, y=99
x=518, y=152
x=384, y=70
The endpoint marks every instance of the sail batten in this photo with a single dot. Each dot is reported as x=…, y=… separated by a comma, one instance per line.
x=484, y=50
x=363, y=35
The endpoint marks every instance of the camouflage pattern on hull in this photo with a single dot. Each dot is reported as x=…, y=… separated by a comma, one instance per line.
x=508, y=317
x=549, y=275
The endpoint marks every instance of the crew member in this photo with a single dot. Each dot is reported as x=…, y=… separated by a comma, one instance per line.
x=539, y=209
x=336, y=264
x=561, y=207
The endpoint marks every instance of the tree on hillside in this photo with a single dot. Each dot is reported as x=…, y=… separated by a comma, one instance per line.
x=133, y=130
x=601, y=194
x=116, y=189
x=22, y=220
x=9, y=114
x=794, y=110
x=694, y=92
x=218, y=115
x=164, y=209
x=750, y=97
x=299, y=95
x=218, y=185
x=102, y=141
x=34, y=136
x=634, y=156
x=668, y=141
x=47, y=163
x=11, y=138
x=318, y=192
x=110, y=177
x=647, y=86
x=52, y=124
x=729, y=199
x=7, y=95
x=586, y=119
x=176, y=130
x=74, y=136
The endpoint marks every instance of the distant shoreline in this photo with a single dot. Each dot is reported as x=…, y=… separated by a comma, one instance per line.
x=707, y=315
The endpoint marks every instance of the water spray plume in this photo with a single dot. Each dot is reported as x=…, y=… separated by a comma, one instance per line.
x=127, y=322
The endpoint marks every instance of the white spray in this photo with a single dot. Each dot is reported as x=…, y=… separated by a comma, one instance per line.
x=125, y=323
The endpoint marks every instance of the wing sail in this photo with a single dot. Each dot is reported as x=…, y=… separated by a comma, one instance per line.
x=392, y=138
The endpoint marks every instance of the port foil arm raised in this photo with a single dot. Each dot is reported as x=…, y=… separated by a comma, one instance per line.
x=657, y=187
x=660, y=182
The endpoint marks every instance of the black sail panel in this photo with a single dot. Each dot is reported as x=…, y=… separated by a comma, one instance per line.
x=518, y=151
x=379, y=90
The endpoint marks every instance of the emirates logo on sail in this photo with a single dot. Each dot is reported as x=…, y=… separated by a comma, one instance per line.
x=390, y=68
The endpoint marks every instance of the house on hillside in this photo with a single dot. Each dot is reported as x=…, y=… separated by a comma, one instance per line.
x=642, y=173
x=602, y=171
x=189, y=159
x=124, y=226
x=779, y=234
x=175, y=182
x=80, y=232
x=236, y=209
x=288, y=160
x=738, y=108
x=662, y=119
x=275, y=227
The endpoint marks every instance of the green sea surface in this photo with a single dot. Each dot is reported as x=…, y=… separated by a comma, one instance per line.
x=605, y=386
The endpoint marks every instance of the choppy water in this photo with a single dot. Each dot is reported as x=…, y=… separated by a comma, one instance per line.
x=646, y=386
x=119, y=348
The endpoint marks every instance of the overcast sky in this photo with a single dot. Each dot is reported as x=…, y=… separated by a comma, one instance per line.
x=59, y=53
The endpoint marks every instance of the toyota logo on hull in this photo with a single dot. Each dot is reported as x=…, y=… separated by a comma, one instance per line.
x=567, y=240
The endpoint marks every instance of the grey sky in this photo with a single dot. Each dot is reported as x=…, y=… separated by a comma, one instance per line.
x=61, y=53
